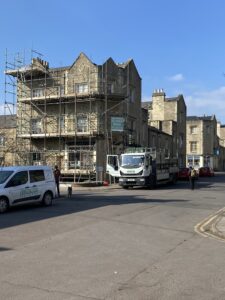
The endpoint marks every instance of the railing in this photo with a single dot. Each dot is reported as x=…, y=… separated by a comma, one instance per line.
x=57, y=91
x=64, y=124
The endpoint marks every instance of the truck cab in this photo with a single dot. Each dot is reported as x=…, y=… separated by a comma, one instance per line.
x=141, y=167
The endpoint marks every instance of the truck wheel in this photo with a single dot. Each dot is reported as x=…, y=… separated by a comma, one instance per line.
x=47, y=199
x=4, y=205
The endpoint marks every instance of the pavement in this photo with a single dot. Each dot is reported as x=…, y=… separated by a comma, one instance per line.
x=64, y=188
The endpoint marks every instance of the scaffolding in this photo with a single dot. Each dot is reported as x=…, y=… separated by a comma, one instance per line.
x=60, y=115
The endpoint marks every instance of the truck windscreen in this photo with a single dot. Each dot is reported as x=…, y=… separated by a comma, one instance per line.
x=132, y=161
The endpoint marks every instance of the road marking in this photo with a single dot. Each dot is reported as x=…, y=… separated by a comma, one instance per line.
x=210, y=222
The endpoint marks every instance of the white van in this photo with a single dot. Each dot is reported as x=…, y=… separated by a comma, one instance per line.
x=27, y=184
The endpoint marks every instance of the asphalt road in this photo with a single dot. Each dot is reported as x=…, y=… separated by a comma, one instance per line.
x=115, y=244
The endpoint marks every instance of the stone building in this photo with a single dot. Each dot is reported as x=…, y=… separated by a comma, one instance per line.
x=7, y=139
x=202, y=142
x=74, y=116
x=168, y=115
x=155, y=137
x=221, y=136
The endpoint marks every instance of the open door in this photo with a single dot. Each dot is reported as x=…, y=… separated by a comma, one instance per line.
x=112, y=167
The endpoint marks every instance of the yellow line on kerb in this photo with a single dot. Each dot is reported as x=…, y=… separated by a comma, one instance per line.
x=200, y=227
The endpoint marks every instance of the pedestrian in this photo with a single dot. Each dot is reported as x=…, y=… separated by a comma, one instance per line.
x=57, y=175
x=192, y=177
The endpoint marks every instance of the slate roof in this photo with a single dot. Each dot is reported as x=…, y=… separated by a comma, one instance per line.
x=203, y=118
x=173, y=99
x=145, y=105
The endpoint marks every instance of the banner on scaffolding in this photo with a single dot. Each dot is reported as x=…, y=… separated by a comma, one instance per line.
x=117, y=124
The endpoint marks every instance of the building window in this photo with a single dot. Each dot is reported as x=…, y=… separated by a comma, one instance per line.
x=193, y=146
x=193, y=129
x=38, y=93
x=36, y=126
x=80, y=159
x=74, y=160
x=36, y=156
x=110, y=88
x=194, y=161
x=2, y=140
x=81, y=88
x=82, y=124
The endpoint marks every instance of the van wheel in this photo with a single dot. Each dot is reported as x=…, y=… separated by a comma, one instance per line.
x=4, y=205
x=47, y=199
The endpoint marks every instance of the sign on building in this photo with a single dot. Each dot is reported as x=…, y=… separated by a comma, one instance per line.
x=117, y=124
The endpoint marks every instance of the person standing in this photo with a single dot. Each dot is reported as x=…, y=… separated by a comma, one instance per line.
x=192, y=177
x=57, y=175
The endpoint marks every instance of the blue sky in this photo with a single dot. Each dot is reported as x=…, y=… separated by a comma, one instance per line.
x=176, y=45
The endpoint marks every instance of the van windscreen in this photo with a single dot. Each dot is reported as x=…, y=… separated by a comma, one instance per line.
x=4, y=175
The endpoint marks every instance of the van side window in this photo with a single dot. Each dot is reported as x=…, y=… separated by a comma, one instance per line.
x=18, y=179
x=37, y=175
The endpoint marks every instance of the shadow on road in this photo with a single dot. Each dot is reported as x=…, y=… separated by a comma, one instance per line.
x=88, y=200
x=203, y=182
x=65, y=206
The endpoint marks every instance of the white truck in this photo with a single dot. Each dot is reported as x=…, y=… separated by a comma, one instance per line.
x=142, y=167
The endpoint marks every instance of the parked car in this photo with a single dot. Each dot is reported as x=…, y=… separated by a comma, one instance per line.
x=206, y=171
x=183, y=173
x=26, y=184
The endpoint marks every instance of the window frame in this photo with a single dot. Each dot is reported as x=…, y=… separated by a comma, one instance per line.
x=81, y=88
x=36, y=125
x=193, y=146
x=193, y=129
x=38, y=92
x=84, y=125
